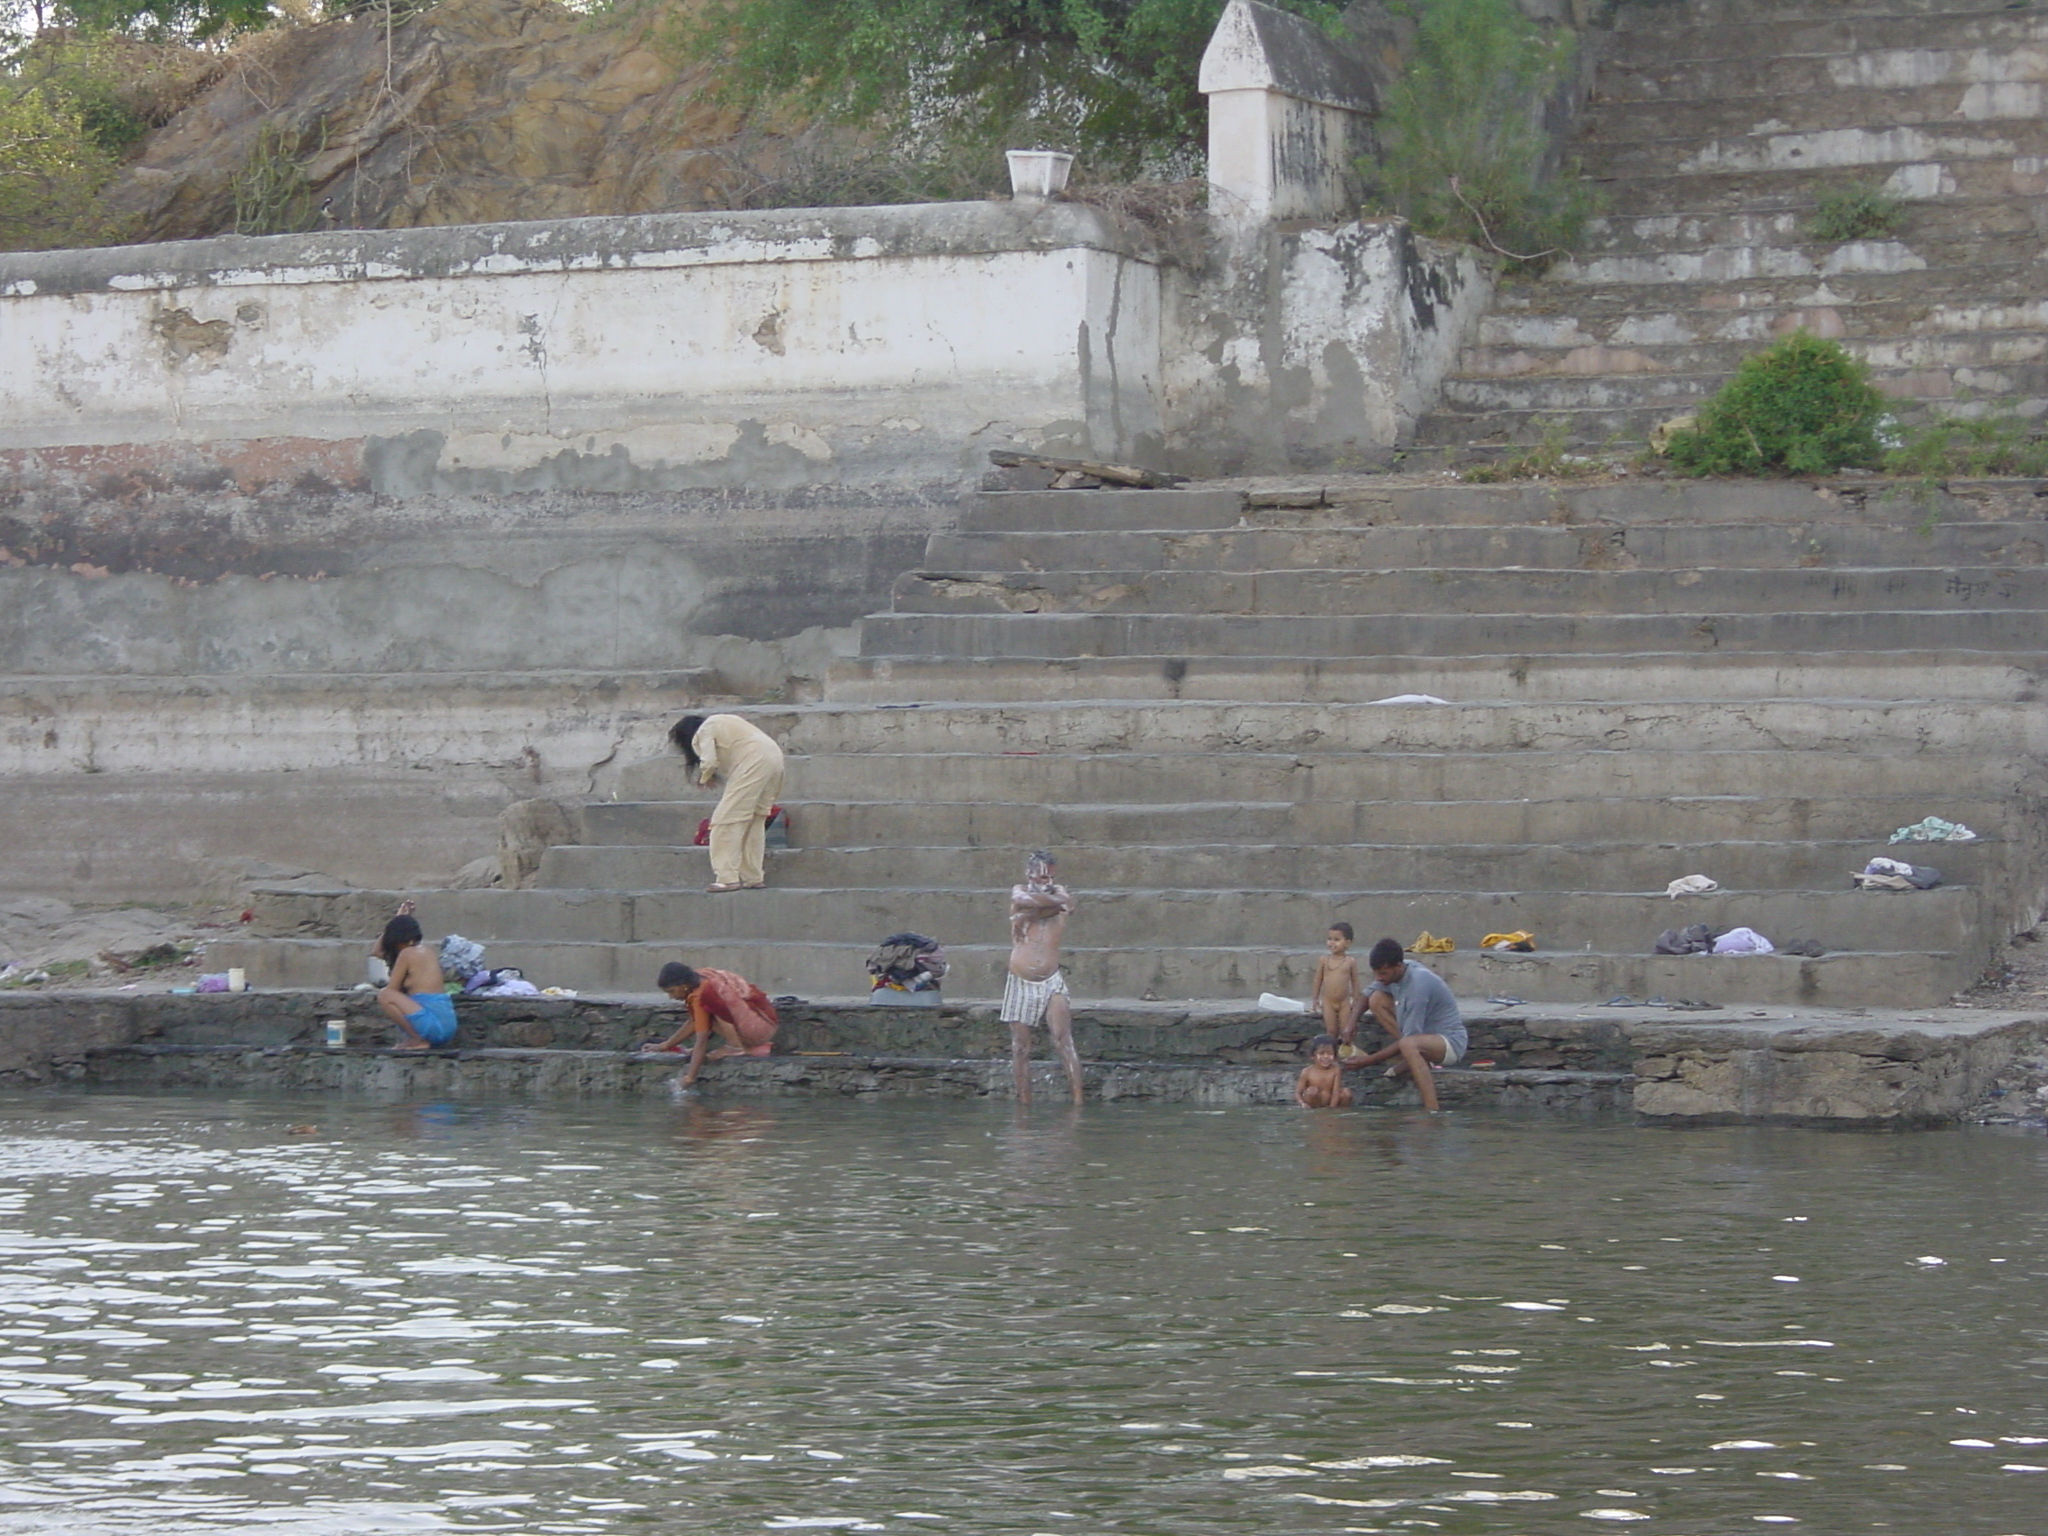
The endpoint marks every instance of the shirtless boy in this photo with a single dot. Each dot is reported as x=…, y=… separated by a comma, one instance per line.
x=1321, y=1084
x=1336, y=989
x=413, y=998
x=1035, y=989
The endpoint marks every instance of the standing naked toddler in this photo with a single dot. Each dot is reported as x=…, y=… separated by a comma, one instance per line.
x=1337, y=987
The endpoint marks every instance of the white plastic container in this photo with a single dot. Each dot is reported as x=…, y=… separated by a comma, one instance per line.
x=238, y=979
x=1038, y=174
x=337, y=1034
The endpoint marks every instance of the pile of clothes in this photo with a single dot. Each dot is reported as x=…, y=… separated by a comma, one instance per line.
x=1895, y=875
x=1699, y=939
x=907, y=963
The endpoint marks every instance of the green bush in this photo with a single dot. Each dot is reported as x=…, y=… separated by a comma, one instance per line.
x=1800, y=407
x=1463, y=153
x=1854, y=213
x=1951, y=447
x=51, y=170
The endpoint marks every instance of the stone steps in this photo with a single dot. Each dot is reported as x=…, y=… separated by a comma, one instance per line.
x=1850, y=541
x=1919, y=977
x=1585, y=860
x=1448, y=591
x=1655, y=758
x=664, y=826
x=1421, y=634
x=1712, y=141
x=1698, y=676
x=1202, y=917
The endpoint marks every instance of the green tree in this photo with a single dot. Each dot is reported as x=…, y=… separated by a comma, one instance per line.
x=51, y=169
x=1464, y=153
x=168, y=18
x=1113, y=79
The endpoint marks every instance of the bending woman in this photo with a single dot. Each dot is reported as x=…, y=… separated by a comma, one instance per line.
x=719, y=1000
x=747, y=758
x=413, y=998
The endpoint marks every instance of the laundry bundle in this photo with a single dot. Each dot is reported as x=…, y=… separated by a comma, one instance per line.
x=1895, y=875
x=1692, y=885
x=1520, y=941
x=1429, y=944
x=1743, y=941
x=1932, y=829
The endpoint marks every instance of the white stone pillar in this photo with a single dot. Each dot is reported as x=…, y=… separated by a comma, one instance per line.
x=1287, y=109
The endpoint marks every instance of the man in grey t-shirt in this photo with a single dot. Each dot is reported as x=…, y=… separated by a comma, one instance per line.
x=1420, y=1017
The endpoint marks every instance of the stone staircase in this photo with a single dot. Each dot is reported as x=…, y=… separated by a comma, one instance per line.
x=1716, y=127
x=1175, y=689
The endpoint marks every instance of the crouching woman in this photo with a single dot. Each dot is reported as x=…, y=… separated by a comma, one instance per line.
x=739, y=1011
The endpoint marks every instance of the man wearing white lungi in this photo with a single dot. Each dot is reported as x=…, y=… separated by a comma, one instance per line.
x=1034, y=988
x=747, y=758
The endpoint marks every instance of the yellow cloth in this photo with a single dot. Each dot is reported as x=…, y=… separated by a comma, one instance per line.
x=1505, y=940
x=750, y=762
x=1426, y=945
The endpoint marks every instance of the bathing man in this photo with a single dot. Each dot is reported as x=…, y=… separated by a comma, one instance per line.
x=1416, y=1010
x=1035, y=989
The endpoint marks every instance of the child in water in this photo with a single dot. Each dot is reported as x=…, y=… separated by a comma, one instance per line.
x=1321, y=1084
x=413, y=998
x=1337, y=988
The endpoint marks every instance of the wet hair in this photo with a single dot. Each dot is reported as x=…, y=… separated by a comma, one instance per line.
x=398, y=933
x=683, y=732
x=677, y=974
x=1040, y=856
x=1345, y=929
x=1320, y=1041
x=1385, y=953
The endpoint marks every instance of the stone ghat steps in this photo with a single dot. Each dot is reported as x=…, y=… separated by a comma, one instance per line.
x=870, y=825
x=1899, y=506
x=838, y=828
x=1875, y=150
x=1947, y=673
x=1896, y=362
x=1049, y=635
x=1648, y=38
x=1652, y=758
x=1949, y=918
x=1847, y=540
x=1586, y=861
x=1442, y=591
x=462, y=1072
x=1726, y=291
x=1936, y=192
x=1876, y=124
x=1903, y=325
x=1535, y=392
x=1861, y=978
x=1965, y=224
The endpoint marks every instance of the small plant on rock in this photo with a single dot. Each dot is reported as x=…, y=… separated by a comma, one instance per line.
x=1950, y=447
x=1855, y=213
x=1803, y=406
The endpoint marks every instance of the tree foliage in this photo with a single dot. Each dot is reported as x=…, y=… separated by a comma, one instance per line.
x=1114, y=80
x=168, y=18
x=1464, y=151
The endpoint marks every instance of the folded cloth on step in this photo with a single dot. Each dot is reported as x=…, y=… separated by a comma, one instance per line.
x=1426, y=944
x=1892, y=875
x=1412, y=698
x=1743, y=941
x=1272, y=1002
x=1695, y=940
x=1520, y=942
x=1933, y=829
x=461, y=958
x=1691, y=885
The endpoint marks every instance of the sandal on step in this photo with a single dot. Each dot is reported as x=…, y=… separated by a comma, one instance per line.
x=719, y=887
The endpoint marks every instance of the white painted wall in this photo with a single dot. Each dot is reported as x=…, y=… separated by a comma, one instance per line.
x=873, y=345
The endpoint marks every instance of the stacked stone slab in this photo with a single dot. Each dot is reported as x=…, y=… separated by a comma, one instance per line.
x=1715, y=129
x=1177, y=690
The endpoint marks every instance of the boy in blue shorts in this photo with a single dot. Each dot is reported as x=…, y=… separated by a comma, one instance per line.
x=414, y=998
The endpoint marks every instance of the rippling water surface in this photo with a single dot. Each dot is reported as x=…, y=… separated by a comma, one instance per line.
x=319, y=1315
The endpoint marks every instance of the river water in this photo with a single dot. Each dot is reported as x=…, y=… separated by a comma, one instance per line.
x=315, y=1315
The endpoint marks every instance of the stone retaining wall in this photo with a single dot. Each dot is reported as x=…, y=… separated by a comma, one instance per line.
x=1839, y=1073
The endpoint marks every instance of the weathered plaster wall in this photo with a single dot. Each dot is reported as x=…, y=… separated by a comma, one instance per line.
x=877, y=346
x=1314, y=346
